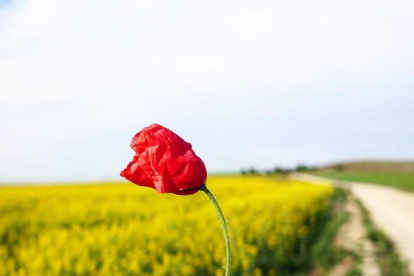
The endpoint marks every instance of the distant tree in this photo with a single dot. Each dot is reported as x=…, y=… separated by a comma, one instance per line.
x=269, y=172
x=252, y=170
x=339, y=167
x=278, y=170
x=243, y=172
x=301, y=168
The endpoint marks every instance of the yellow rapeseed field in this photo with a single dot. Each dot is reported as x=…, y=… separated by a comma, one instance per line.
x=124, y=229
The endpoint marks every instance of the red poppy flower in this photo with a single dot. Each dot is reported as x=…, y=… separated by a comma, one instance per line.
x=165, y=162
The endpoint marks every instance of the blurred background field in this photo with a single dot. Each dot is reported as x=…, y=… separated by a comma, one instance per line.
x=122, y=229
x=394, y=174
x=401, y=180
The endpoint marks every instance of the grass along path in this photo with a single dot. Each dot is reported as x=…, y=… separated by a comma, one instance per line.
x=390, y=211
x=387, y=257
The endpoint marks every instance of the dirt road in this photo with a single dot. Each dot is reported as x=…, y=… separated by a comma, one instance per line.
x=390, y=209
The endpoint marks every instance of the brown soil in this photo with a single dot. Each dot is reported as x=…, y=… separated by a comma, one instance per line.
x=352, y=237
x=342, y=268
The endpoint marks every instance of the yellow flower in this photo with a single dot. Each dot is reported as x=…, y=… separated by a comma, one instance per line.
x=116, y=229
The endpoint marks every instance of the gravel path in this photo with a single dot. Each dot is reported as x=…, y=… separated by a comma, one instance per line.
x=393, y=211
x=353, y=236
x=390, y=209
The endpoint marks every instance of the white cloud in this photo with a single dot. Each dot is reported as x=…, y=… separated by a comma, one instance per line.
x=75, y=70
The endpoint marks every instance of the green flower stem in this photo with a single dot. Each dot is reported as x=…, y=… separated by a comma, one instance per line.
x=223, y=224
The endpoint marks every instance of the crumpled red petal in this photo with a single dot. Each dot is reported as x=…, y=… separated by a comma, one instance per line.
x=165, y=162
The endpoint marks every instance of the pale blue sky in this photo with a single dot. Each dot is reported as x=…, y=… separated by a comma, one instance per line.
x=259, y=83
